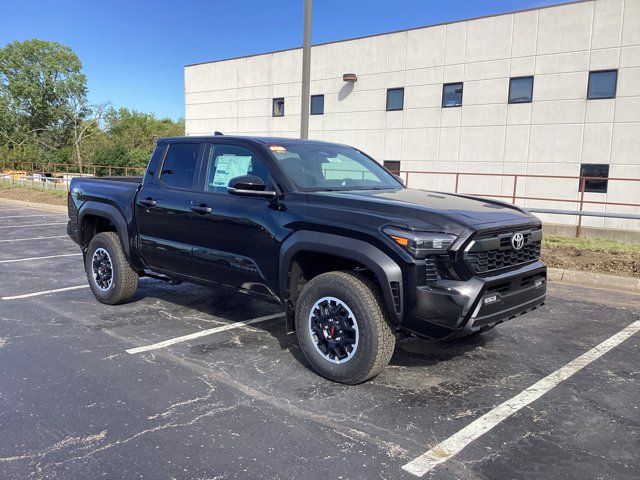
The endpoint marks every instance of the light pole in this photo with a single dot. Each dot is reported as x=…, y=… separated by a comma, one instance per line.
x=306, y=70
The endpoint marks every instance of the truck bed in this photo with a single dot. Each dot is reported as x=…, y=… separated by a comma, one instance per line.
x=117, y=191
x=127, y=179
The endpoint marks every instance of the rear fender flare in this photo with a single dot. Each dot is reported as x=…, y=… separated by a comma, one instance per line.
x=112, y=214
x=380, y=264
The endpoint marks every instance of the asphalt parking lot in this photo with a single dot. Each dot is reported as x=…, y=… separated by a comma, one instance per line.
x=92, y=391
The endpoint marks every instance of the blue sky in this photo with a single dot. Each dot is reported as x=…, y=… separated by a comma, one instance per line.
x=134, y=51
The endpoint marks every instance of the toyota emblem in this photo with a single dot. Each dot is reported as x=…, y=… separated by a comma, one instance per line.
x=517, y=241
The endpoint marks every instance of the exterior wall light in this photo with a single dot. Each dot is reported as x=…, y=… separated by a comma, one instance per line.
x=349, y=77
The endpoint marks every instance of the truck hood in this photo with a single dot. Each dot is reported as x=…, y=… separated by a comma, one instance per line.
x=423, y=209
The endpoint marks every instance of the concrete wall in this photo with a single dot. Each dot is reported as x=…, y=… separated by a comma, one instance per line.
x=552, y=135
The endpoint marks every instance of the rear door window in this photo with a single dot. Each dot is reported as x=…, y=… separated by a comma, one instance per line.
x=180, y=165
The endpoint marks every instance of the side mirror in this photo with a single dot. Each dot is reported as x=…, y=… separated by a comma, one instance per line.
x=249, y=186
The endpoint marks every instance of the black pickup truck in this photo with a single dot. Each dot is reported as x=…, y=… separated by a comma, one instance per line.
x=352, y=255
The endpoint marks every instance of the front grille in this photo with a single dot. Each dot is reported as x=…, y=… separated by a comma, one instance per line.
x=515, y=284
x=482, y=262
x=496, y=252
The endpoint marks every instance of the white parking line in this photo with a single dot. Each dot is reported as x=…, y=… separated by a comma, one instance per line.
x=202, y=333
x=40, y=258
x=455, y=443
x=33, y=238
x=37, y=225
x=40, y=215
x=45, y=292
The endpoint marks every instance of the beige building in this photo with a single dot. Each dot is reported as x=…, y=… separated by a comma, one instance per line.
x=550, y=91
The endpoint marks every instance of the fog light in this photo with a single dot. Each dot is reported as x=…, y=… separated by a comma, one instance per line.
x=491, y=299
x=539, y=282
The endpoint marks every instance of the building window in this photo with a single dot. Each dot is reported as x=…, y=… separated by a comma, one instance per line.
x=317, y=104
x=392, y=165
x=395, y=99
x=452, y=95
x=602, y=84
x=594, y=170
x=278, y=107
x=521, y=90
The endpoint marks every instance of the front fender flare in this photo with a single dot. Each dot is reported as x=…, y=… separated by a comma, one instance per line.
x=385, y=270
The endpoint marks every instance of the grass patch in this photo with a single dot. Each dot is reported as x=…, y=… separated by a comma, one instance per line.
x=32, y=194
x=591, y=244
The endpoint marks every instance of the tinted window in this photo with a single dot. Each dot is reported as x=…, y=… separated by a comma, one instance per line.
x=179, y=167
x=452, y=95
x=278, y=107
x=331, y=167
x=594, y=170
x=392, y=165
x=521, y=90
x=317, y=104
x=395, y=99
x=227, y=162
x=602, y=84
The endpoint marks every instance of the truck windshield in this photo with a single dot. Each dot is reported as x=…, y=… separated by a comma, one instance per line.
x=332, y=167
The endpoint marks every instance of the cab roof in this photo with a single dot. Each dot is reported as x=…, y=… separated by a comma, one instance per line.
x=263, y=140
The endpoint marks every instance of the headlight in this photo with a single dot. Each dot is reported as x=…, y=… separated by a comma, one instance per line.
x=420, y=244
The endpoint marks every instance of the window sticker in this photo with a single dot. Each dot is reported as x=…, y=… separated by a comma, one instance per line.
x=228, y=167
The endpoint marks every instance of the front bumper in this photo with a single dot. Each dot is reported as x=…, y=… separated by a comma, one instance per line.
x=457, y=308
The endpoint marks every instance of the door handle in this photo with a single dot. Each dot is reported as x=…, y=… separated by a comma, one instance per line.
x=148, y=202
x=202, y=209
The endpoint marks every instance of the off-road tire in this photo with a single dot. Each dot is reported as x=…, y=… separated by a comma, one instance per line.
x=377, y=338
x=124, y=281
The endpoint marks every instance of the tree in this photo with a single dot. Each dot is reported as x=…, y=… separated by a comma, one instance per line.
x=38, y=80
x=84, y=122
x=45, y=116
x=127, y=138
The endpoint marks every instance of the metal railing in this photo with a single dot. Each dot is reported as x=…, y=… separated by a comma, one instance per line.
x=44, y=174
x=57, y=176
x=56, y=169
x=37, y=181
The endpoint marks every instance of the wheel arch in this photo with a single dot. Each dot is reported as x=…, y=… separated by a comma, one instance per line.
x=386, y=272
x=91, y=211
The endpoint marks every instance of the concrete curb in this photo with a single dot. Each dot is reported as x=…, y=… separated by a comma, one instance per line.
x=42, y=206
x=597, y=280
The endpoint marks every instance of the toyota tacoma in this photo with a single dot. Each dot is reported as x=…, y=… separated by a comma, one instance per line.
x=352, y=255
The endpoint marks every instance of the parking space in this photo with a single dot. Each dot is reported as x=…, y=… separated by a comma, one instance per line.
x=223, y=392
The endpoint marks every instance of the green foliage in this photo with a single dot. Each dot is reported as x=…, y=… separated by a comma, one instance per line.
x=37, y=81
x=45, y=117
x=128, y=137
